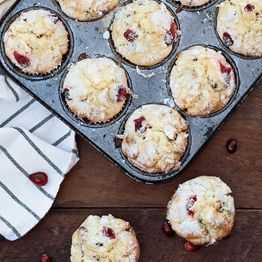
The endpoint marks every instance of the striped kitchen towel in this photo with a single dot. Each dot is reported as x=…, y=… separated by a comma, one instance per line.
x=32, y=140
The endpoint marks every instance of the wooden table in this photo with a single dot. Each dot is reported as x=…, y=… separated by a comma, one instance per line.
x=96, y=186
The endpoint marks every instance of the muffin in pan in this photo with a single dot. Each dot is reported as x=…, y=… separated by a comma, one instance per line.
x=239, y=25
x=155, y=138
x=202, y=81
x=86, y=10
x=36, y=41
x=96, y=89
x=202, y=210
x=143, y=32
x=105, y=239
x=194, y=3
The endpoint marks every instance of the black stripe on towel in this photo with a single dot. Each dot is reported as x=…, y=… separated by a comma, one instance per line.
x=41, y=123
x=18, y=235
x=62, y=138
x=18, y=201
x=19, y=111
x=24, y=172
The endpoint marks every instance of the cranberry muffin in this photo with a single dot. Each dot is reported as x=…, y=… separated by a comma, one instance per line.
x=239, y=25
x=202, y=81
x=202, y=210
x=36, y=42
x=143, y=32
x=105, y=239
x=155, y=138
x=96, y=89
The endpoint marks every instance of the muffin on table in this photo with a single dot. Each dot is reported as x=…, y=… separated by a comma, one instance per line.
x=105, y=239
x=194, y=3
x=86, y=10
x=143, y=32
x=96, y=89
x=36, y=42
x=155, y=138
x=202, y=81
x=202, y=210
x=239, y=25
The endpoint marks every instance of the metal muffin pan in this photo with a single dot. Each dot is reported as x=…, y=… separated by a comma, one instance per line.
x=149, y=85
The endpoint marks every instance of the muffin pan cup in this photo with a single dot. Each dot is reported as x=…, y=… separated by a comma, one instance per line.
x=175, y=43
x=87, y=122
x=149, y=85
x=66, y=57
x=228, y=59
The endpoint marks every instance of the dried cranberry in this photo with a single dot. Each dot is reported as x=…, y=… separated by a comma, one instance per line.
x=167, y=229
x=249, y=8
x=194, y=198
x=190, y=212
x=39, y=178
x=228, y=39
x=171, y=35
x=130, y=35
x=82, y=56
x=108, y=232
x=122, y=94
x=45, y=258
x=138, y=122
x=191, y=201
x=173, y=30
x=231, y=146
x=21, y=59
x=190, y=247
x=225, y=69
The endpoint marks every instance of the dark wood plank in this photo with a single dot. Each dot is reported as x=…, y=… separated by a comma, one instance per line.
x=96, y=182
x=53, y=236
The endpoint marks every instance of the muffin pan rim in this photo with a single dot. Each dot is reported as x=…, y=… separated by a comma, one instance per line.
x=193, y=8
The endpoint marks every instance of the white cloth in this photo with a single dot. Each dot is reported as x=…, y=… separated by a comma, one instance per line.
x=32, y=140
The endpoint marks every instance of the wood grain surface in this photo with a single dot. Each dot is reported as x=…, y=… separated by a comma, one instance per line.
x=97, y=186
x=53, y=236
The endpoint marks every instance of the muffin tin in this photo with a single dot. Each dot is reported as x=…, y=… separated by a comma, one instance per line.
x=150, y=85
